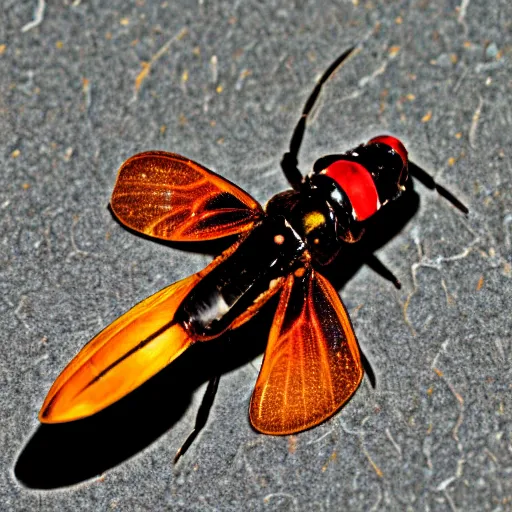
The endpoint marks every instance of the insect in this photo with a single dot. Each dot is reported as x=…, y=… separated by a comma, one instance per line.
x=312, y=363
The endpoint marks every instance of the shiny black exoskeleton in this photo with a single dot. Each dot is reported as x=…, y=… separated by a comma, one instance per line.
x=323, y=211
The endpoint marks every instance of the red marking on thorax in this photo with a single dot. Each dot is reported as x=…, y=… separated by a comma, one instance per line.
x=359, y=186
x=394, y=143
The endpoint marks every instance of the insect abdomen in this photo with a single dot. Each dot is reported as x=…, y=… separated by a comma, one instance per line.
x=250, y=272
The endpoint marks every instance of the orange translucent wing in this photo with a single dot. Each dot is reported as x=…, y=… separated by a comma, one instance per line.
x=168, y=196
x=312, y=364
x=121, y=357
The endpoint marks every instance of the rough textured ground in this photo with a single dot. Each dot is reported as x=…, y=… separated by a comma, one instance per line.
x=223, y=83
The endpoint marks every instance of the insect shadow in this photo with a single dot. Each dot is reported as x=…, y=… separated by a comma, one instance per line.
x=60, y=455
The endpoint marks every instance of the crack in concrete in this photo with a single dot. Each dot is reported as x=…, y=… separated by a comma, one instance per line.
x=38, y=17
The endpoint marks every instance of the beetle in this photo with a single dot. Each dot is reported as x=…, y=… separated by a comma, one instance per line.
x=312, y=363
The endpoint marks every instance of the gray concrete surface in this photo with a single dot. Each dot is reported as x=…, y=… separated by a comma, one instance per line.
x=89, y=83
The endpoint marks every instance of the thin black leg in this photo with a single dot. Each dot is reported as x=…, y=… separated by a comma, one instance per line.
x=427, y=180
x=368, y=369
x=202, y=416
x=290, y=162
x=377, y=266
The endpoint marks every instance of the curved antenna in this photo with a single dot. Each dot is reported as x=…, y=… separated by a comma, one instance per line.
x=289, y=161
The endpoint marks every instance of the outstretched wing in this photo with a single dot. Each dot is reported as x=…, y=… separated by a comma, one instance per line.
x=168, y=196
x=121, y=357
x=312, y=364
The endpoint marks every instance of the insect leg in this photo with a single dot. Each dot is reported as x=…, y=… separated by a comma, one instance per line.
x=289, y=161
x=202, y=416
x=377, y=266
x=368, y=369
x=427, y=180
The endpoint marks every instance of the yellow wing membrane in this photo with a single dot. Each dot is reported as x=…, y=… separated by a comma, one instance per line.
x=121, y=357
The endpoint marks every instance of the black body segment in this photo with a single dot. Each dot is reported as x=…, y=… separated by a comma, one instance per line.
x=347, y=228
x=312, y=217
x=268, y=252
x=383, y=163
